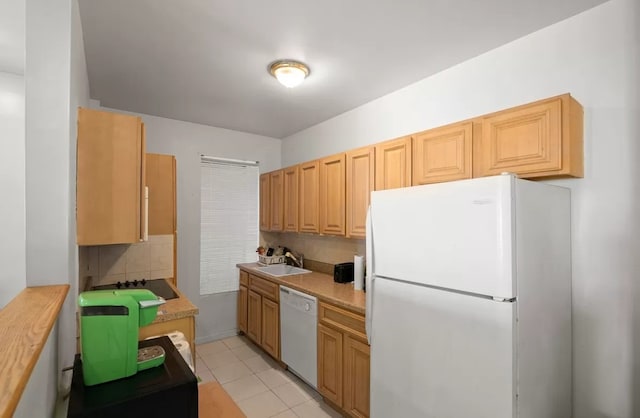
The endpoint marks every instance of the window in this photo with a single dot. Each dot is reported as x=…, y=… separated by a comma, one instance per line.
x=228, y=221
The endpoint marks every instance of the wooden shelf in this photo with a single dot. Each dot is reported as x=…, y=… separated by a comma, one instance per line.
x=25, y=325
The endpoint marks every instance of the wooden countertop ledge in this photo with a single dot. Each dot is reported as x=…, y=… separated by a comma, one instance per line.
x=25, y=325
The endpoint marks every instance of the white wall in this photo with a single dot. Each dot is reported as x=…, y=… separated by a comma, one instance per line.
x=40, y=393
x=12, y=188
x=187, y=141
x=594, y=56
x=55, y=83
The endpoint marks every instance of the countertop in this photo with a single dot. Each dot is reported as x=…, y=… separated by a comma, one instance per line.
x=317, y=284
x=177, y=308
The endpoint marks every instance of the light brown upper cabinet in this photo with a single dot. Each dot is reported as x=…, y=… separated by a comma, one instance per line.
x=442, y=154
x=277, y=201
x=332, y=195
x=110, y=178
x=360, y=183
x=161, y=181
x=291, y=199
x=393, y=164
x=265, y=201
x=543, y=138
x=309, y=177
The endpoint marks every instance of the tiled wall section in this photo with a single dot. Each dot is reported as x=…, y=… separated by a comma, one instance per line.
x=327, y=249
x=104, y=264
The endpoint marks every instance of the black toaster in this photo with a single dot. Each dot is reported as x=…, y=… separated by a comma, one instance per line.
x=343, y=272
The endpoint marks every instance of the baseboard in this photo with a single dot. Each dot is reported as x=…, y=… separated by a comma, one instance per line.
x=217, y=336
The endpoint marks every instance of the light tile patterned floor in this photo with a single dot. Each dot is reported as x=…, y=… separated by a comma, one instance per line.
x=256, y=383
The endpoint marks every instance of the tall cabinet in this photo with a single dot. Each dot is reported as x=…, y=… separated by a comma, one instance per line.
x=265, y=201
x=291, y=198
x=360, y=182
x=308, y=215
x=110, y=178
x=332, y=195
x=161, y=182
x=276, y=199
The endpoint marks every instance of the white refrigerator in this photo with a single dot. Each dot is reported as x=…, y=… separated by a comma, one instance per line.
x=469, y=300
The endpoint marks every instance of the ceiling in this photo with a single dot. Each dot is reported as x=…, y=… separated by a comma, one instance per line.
x=206, y=61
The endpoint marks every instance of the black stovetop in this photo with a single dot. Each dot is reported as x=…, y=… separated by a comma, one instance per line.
x=159, y=287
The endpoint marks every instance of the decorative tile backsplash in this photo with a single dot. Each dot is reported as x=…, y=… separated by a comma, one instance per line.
x=105, y=264
x=327, y=249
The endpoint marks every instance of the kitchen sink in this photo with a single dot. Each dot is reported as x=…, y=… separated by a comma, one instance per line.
x=279, y=270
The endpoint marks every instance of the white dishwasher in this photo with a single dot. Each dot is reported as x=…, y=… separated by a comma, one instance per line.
x=298, y=330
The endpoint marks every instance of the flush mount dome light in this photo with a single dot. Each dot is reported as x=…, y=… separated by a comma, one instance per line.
x=289, y=73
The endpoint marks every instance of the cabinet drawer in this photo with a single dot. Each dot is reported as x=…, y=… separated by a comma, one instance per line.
x=342, y=319
x=264, y=287
x=244, y=278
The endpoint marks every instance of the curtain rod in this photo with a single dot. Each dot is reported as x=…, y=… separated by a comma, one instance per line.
x=209, y=159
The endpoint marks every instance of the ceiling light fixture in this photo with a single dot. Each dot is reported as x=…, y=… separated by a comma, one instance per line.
x=289, y=73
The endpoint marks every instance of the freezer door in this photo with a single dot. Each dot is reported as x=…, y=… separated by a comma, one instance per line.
x=455, y=235
x=439, y=354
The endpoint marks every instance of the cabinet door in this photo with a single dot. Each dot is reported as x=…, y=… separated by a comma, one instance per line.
x=442, y=154
x=265, y=201
x=309, y=197
x=330, y=364
x=360, y=183
x=110, y=178
x=356, y=377
x=161, y=181
x=393, y=164
x=277, y=201
x=271, y=327
x=332, y=195
x=254, y=316
x=291, y=199
x=538, y=139
x=243, y=294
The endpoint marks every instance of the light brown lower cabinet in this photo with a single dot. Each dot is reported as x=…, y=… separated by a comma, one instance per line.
x=260, y=311
x=254, y=316
x=343, y=360
x=243, y=295
x=270, y=327
x=330, y=364
x=356, y=363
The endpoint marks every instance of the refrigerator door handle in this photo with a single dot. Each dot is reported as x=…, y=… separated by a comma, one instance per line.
x=369, y=275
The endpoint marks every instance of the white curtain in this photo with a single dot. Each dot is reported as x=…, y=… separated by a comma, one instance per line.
x=228, y=222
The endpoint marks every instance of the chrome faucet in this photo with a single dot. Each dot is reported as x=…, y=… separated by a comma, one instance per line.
x=298, y=261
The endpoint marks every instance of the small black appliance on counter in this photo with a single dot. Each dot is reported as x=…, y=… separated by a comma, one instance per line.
x=343, y=272
x=166, y=391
